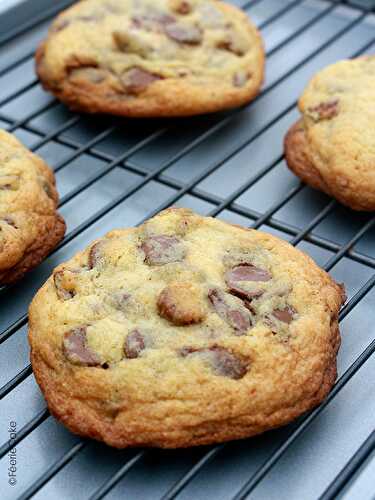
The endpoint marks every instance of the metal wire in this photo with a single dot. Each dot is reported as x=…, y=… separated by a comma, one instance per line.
x=220, y=205
x=350, y=468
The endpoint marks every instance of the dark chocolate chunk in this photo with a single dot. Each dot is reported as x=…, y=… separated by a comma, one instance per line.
x=324, y=110
x=134, y=344
x=237, y=316
x=284, y=315
x=76, y=350
x=237, y=278
x=136, y=80
x=162, y=249
x=190, y=35
x=222, y=361
x=95, y=255
x=62, y=291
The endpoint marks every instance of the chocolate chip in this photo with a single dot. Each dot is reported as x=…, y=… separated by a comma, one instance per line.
x=134, y=344
x=163, y=249
x=222, y=361
x=239, y=278
x=64, y=289
x=153, y=21
x=248, y=272
x=324, y=110
x=76, y=350
x=190, y=35
x=95, y=255
x=136, y=80
x=230, y=310
x=284, y=315
x=181, y=304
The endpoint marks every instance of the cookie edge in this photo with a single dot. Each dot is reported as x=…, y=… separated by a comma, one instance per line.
x=298, y=159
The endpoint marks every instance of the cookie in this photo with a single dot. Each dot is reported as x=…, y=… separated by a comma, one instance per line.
x=184, y=331
x=152, y=58
x=331, y=147
x=30, y=227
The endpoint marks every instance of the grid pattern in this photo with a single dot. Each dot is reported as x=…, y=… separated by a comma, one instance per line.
x=114, y=173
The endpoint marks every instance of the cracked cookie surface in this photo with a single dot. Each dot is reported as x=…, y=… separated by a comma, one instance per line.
x=146, y=58
x=184, y=331
x=331, y=147
x=30, y=227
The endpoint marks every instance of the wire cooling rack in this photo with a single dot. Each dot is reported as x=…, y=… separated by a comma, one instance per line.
x=116, y=173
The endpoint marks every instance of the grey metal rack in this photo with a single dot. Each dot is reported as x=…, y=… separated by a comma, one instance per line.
x=114, y=173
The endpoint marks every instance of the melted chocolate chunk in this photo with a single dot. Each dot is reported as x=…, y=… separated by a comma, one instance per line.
x=76, y=350
x=153, y=21
x=190, y=35
x=284, y=315
x=324, y=111
x=95, y=255
x=222, y=361
x=62, y=292
x=237, y=278
x=134, y=344
x=162, y=249
x=136, y=80
x=248, y=272
x=237, y=316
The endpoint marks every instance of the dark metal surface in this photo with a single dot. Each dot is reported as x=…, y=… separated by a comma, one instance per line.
x=112, y=173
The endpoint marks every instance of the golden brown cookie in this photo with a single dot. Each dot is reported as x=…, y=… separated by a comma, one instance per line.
x=332, y=147
x=151, y=58
x=30, y=227
x=184, y=331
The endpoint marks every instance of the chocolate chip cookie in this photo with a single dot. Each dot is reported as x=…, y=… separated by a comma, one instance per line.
x=184, y=331
x=152, y=58
x=332, y=147
x=30, y=227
